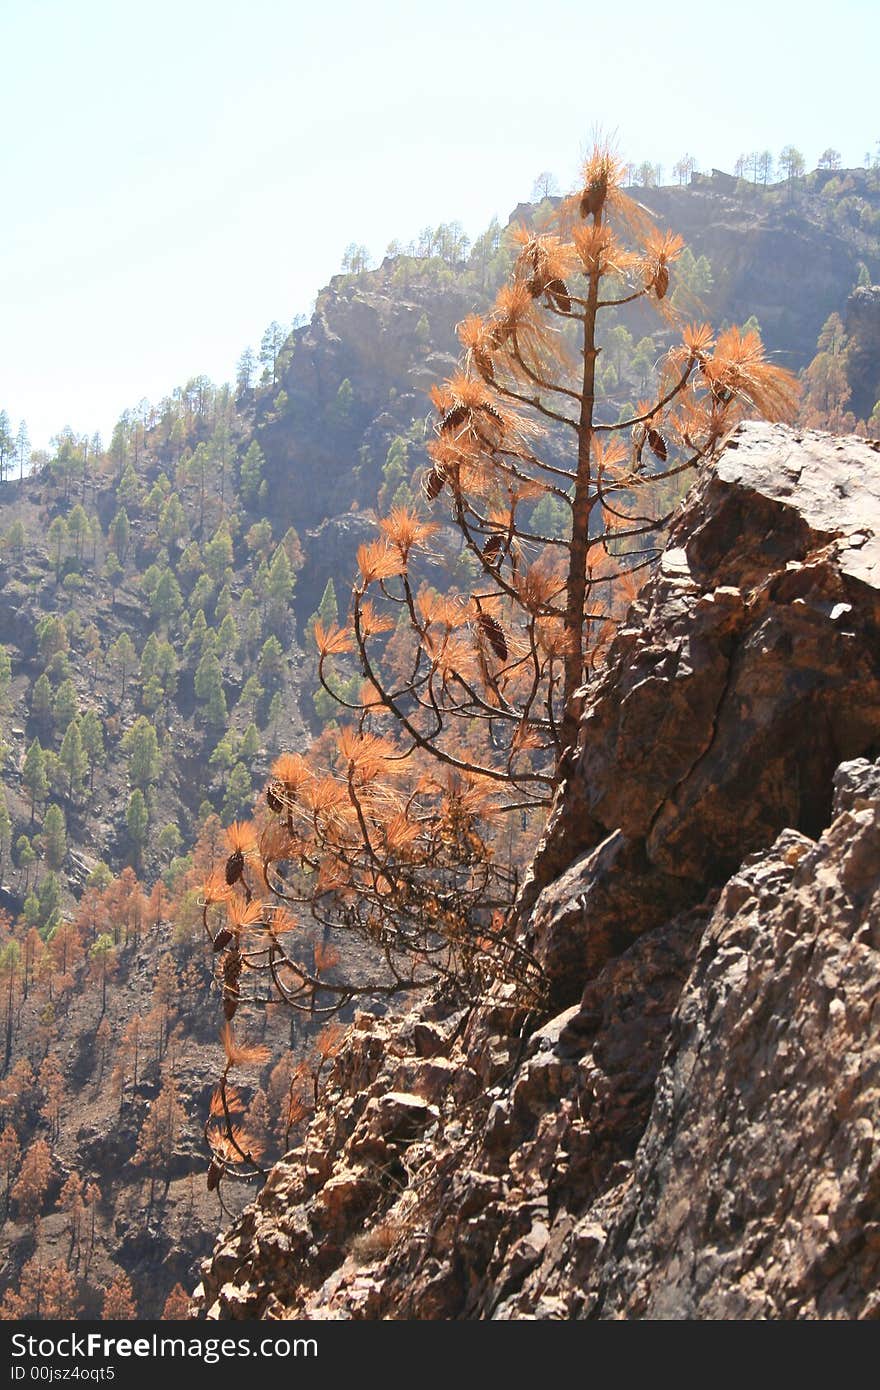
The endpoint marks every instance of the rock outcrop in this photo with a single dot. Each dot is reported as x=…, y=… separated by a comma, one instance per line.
x=746, y=671
x=692, y=1132
x=325, y=451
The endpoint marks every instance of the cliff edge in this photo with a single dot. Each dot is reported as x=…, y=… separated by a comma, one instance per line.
x=692, y=1130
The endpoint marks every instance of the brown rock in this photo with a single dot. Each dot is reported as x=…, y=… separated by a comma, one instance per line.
x=760, y=1159
x=693, y=1133
x=748, y=668
x=398, y=1117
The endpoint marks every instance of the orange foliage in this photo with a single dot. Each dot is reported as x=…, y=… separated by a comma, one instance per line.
x=405, y=827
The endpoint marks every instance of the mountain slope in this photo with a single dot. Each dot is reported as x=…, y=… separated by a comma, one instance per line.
x=155, y=599
x=689, y=1134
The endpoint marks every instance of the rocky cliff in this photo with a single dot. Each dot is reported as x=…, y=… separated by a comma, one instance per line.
x=764, y=255
x=691, y=1130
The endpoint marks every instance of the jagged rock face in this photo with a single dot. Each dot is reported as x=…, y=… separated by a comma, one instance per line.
x=366, y=334
x=748, y=668
x=694, y=1135
x=756, y=1187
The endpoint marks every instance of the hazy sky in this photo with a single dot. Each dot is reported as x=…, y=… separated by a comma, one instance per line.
x=176, y=175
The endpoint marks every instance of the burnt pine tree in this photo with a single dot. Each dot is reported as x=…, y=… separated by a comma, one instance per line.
x=522, y=420
x=470, y=691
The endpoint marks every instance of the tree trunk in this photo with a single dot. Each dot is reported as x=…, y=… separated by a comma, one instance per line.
x=580, y=524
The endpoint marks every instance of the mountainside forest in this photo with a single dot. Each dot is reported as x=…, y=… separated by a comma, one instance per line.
x=158, y=598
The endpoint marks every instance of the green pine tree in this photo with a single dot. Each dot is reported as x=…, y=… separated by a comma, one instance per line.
x=137, y=820
x=54, y=837
x=252, y=472
x=65, y=705
x=33, y=774
x=92, y=734
x=73, y=758
x=41, y=699
x=208, y=686
x=239, y=793
x=141, y=747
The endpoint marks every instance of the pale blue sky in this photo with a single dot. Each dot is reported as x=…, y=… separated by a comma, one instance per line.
x=176, y=175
